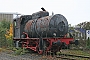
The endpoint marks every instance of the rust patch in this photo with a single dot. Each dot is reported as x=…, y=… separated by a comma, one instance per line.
x=28, y=25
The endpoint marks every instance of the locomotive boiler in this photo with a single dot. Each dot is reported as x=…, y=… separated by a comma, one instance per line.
x=49, y=26
x=41, y=33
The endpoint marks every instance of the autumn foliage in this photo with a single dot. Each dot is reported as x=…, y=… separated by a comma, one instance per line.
x=9, y=33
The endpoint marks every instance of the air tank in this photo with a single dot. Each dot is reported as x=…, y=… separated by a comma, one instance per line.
x=49, y=26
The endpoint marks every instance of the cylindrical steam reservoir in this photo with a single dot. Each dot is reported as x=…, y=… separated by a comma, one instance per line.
x=49, y=26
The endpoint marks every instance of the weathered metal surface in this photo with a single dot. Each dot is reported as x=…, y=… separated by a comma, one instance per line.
x=16, y=29
x=47, y=26
x=40, y=14
x=25, y=18
x=59, y=25
x=19, y=25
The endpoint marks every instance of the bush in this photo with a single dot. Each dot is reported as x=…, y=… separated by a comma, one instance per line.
x=88, y=43
x=4, y=25
x=6, y=34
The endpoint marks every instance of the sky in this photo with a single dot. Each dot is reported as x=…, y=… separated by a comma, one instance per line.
x=75, y=11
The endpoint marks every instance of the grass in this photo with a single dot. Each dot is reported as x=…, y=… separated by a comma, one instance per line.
x=2, y=49
x=13, y=51
x=75, y=52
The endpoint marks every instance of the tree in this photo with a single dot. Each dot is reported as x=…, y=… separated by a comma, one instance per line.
x=85, y=25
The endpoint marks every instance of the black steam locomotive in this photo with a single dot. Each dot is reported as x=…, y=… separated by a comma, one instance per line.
x=41, y=32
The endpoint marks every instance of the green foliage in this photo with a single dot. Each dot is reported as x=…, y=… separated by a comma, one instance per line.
x=71, y=28
x=88, y=43
x=19, y=51
x=4, y=25
x=9, y=43
x=74, y=52
x=85, y=25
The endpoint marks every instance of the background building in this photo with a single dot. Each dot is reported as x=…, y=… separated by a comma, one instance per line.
x=6, y=16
